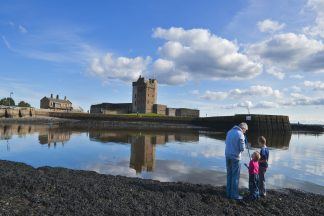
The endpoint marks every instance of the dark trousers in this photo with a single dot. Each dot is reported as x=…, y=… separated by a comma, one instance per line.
x=262, y=184
x=254, y=186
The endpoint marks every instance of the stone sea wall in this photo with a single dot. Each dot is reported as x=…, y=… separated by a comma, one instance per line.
x=268, y=123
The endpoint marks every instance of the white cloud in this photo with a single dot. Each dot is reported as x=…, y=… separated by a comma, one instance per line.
x=266, y=105
x=316, y=85
x=195, y=92
x=290, y=51
x=244, y=104
x=296, y=76
x=298, y=96
x=122, y=68
x=296, y=88
x=297, y=99
x=198, y=54
x=6, y=42
x=54, y=45
x=270, y=26
x=253, y=91
x=317, y=29
x=276, y=73
x=22, y=29
x=257, y=90
x=211, y=95
x=166, y=73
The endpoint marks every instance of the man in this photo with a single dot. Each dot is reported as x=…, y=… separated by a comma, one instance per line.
x=235, y=141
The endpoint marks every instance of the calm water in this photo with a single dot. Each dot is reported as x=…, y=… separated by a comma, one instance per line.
x=296, y=160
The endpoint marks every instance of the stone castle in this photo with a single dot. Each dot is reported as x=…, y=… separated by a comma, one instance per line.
x=144, y=100
x=144, y=95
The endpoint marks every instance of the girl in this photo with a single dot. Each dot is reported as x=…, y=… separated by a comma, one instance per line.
x=254, y=175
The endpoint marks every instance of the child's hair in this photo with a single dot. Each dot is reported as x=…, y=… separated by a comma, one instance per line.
x=256, y=156
x=262, y=140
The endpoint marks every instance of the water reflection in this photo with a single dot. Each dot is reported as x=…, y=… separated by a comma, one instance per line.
x=278, y=140
x=52, y=136
x=296, y=160
x=142, y=153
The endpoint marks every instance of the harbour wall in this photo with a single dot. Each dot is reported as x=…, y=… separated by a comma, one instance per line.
x=267, y=123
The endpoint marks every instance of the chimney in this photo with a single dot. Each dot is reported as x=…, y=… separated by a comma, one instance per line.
x=51, y=95
x=57, y=96
x=64, y=97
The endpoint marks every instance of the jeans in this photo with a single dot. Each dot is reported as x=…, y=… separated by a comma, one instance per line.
x=254, y=186
x=233, y=167
x=262, y=184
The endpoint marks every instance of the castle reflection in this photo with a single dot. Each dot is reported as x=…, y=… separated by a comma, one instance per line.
x=142, y=157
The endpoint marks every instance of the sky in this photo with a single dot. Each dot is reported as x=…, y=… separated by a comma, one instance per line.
x=222, y=57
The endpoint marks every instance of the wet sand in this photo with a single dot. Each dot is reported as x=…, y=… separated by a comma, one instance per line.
x=25, y=190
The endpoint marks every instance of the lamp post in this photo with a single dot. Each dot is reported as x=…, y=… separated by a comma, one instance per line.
x=11, y=93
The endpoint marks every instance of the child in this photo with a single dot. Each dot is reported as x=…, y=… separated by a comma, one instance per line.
x=263, y=164
x=254, y=175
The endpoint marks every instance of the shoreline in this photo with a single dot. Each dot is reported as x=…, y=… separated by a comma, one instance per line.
x=302, y=128
x=48, y=190
x=100, y=124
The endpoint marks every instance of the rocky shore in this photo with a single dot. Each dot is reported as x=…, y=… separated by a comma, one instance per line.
x=25, y=190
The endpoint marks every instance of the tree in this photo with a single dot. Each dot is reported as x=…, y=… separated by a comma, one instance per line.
x=7, y=102
x=23, y=104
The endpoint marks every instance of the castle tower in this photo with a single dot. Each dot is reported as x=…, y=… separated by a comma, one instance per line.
x=144, y=95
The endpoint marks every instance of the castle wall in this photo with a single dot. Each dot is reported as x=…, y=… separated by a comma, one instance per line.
x=171, y=111
x=184, y=112
x=159, y=109
x=111, y=108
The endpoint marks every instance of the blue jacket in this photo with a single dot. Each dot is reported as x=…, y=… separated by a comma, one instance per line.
x=235, y=141
x=264, y=152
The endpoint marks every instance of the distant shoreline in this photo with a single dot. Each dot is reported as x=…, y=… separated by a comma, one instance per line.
x=295, y=127
x=87, y=124
x=307, y=127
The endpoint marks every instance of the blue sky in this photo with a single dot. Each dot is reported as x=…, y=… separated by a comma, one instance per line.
x=218, y=56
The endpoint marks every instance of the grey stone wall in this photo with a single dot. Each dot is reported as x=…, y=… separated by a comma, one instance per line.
x=171, y=111
x=111, y=108
x=184, y=112
x=159, y=109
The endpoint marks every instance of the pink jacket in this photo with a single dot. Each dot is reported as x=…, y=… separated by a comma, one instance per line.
x=253, y=167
